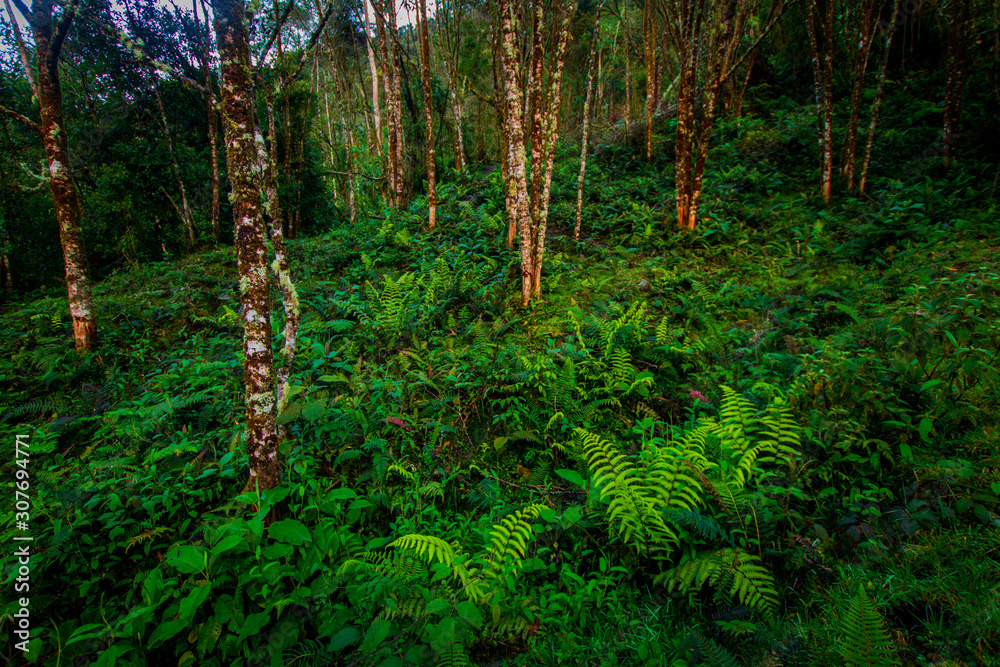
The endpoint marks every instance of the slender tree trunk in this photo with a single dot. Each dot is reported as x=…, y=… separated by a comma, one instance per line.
x=823, y=83
x=510, y=12
x=423, y=35
x=388, y=77
x=649, y=46
x=48, y=44
x=536, y=71
x=185, y=210
x=890, y=30
x=397, y=103
x=586, y=123
x=864, y=43
x=376, y=112
x=956, y=65
x=249, y=234
x=551, y=136
x=348, y=141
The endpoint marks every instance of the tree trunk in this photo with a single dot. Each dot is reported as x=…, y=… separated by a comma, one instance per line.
x=586, y=123
x=956, y=65
x=554, y=106
x=510, y=12
x=864, y=43
x=376, y=112
x=890, y=30
x=48, y=44
x=212, y=121
x=649, y=46
x=397, y=103
x=249, y=235
x=823, y=85
x=423, y=35
x=391, y=120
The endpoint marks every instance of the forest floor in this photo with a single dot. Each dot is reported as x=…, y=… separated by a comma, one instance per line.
x=770, y=441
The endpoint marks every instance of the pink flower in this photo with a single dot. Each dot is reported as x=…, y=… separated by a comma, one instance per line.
x=698, y=396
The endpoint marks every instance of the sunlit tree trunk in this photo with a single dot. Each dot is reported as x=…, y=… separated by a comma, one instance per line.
x=250, y=235
x=423, y=35
x=47, y=90
x=889, y=30
x=586, y=123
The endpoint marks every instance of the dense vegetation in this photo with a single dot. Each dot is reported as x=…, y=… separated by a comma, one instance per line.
x=768, y=440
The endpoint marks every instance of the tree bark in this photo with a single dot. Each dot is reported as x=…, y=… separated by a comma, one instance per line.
x=510, y=12
x=649, y=48
x=554, y=106
x=890, y=30
x=48, y=44
x=249, y=235
x=956, y=65
x=376, y=112
x=423, y=35
x=864, y=43
x=823, y=86
x=586, y=122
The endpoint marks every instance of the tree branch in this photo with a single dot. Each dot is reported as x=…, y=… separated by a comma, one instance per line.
x=22, y=50
x=61, y=29
x=277, y=29
x=24, y=120
x=21, y=7
x=285, y=81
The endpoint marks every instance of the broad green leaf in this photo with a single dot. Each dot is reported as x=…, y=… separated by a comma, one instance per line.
x=930, y=383
x=314, y=410
x=344, y=638
x=165, y=631
x=194, y=599
x=229, y=543
x=291, y=531
x=378, y=631
x=572, y=477
x=254, y=623
x=926, y=425
x=470, y=613
x=188, y=559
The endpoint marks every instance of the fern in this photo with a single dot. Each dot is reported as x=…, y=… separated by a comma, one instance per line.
x=37, y=405
x=634, y=506
x=866, y=642
x=749, y=581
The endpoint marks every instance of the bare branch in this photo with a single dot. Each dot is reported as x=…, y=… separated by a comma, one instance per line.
x=61, y=29
x=24, y=120
x=285, y=81
x=22, y=51
x=279, y=24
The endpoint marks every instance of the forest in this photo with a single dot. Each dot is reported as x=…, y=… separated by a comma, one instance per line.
x=597, y=333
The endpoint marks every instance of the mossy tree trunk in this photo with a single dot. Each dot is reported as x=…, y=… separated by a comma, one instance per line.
x=250, y=235
x=49, y=37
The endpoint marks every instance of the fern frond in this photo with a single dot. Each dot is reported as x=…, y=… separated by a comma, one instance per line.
x=428, y=547
x=866, y=642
